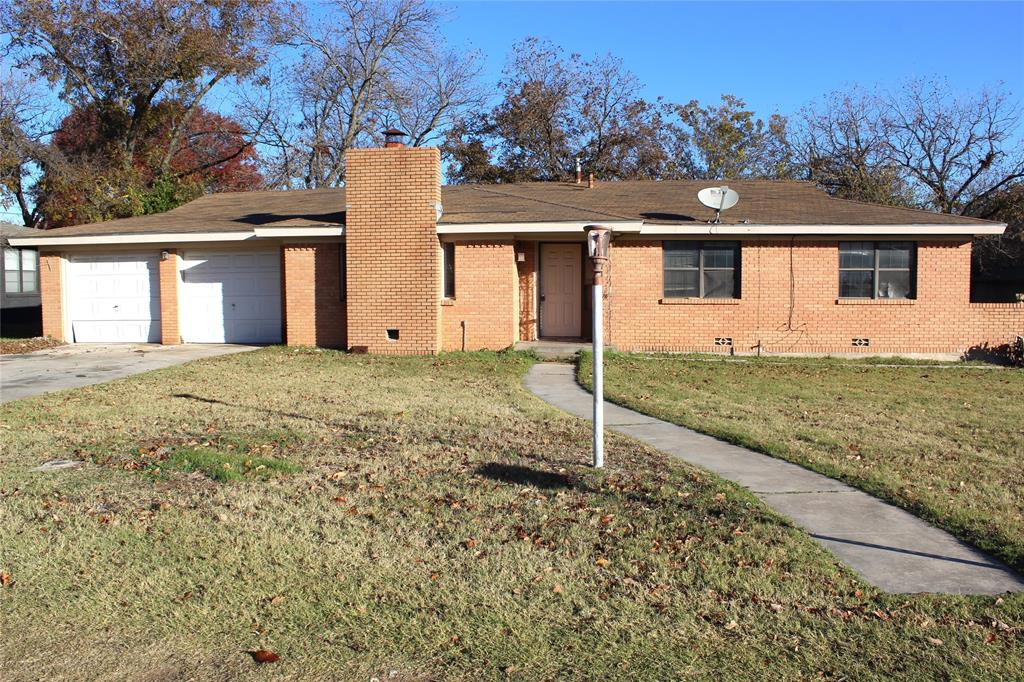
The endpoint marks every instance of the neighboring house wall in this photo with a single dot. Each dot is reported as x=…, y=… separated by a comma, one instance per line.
x=19, y=305
x=486, y=297
x=789, y=303
x=393, y=271
x=314, y=311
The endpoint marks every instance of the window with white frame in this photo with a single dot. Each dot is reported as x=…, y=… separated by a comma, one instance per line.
x=21, y=271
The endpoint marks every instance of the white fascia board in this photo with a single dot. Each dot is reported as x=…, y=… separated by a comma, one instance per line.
x=156, y=238
x=530, y=228
x=323, y=231
x=823, y=230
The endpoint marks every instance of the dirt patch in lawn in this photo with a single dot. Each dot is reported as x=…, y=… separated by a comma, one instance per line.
x=19, y=346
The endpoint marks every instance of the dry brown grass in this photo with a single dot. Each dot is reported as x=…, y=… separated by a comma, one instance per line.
x=442, y=524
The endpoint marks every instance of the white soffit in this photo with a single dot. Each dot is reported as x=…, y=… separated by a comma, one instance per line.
x=152, y=238
x=324, y=231
x=180, y=237
x=530, y=228
x=740, y=229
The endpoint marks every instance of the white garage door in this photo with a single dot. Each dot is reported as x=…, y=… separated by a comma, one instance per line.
x=231, y=297
x=114, y=298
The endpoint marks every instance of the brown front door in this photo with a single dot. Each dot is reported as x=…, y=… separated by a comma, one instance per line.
x=560, y=287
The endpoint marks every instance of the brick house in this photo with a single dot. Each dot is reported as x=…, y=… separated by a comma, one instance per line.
x=396, y=263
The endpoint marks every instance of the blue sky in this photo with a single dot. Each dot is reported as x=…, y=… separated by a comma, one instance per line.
x=776, y=56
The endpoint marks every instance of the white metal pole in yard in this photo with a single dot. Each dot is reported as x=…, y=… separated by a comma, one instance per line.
x=598, y=240
x=598, y=375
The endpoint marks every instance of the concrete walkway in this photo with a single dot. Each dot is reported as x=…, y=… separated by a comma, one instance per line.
x=890, y=548
x=84, y=364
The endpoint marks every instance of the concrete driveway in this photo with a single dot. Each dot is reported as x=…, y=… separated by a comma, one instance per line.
x=73, y=366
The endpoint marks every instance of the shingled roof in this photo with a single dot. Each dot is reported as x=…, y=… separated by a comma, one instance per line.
x=762, y=202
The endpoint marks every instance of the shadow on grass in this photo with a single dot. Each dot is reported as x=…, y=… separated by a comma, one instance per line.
x=279, y=413
x=519, y=475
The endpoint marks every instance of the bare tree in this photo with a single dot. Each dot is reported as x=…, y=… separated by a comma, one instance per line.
x=430, y=94
x=959, y=149
x=841, y=145
x=558, y=108
x=26, y=121
x=364, y=66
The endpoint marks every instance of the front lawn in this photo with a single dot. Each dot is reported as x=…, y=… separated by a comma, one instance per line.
x=419, y=518
x=945, y=442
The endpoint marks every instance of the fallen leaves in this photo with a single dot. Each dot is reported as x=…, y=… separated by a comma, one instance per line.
x=262, y=656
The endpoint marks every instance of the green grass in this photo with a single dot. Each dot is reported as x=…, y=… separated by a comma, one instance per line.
x=945, y=442
x=442, y=523
x=224, y=467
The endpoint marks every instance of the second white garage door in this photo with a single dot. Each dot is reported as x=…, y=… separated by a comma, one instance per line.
x=230, y=297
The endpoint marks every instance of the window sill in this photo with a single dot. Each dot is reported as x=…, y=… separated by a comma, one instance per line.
x=876, y=301
x=1006, y=305
x=699, y=301
x=447, y=301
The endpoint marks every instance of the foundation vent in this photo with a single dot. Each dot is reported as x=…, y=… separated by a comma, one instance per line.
x=861, y=342
x=723, y=341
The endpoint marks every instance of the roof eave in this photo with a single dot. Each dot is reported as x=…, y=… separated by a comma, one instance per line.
x=182, y=237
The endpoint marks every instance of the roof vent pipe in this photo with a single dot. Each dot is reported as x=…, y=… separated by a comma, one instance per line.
x=579, y=171
x=590, y=182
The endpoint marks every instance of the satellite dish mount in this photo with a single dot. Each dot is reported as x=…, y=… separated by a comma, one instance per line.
x=718, y=198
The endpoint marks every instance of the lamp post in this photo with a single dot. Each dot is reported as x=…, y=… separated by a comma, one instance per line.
x=598, y=239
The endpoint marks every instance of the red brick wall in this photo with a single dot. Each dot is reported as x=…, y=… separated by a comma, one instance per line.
x=51, y=294
x=170, y=332
x=809, y=317
x=527, y=271
x=314, y=313
x=486, y=297
x=393, y=253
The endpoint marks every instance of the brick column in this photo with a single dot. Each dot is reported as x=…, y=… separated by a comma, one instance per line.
x=170, y=330
x=393, y=265
x=51, y=294
x=527, y=270
x=298, y=281
x=314, y=311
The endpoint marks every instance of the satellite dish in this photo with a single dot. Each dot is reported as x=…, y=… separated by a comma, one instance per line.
x=718, y=198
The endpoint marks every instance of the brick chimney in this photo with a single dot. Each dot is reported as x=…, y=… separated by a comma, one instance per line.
x=393, y=138
x=392, y=252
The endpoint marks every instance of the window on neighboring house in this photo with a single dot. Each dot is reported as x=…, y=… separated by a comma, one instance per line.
x=21, y=271
x=877, y=270
x=448, y=268
x=701, y=269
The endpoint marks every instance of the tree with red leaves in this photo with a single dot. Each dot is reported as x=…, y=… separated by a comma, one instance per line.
x=85, y=183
